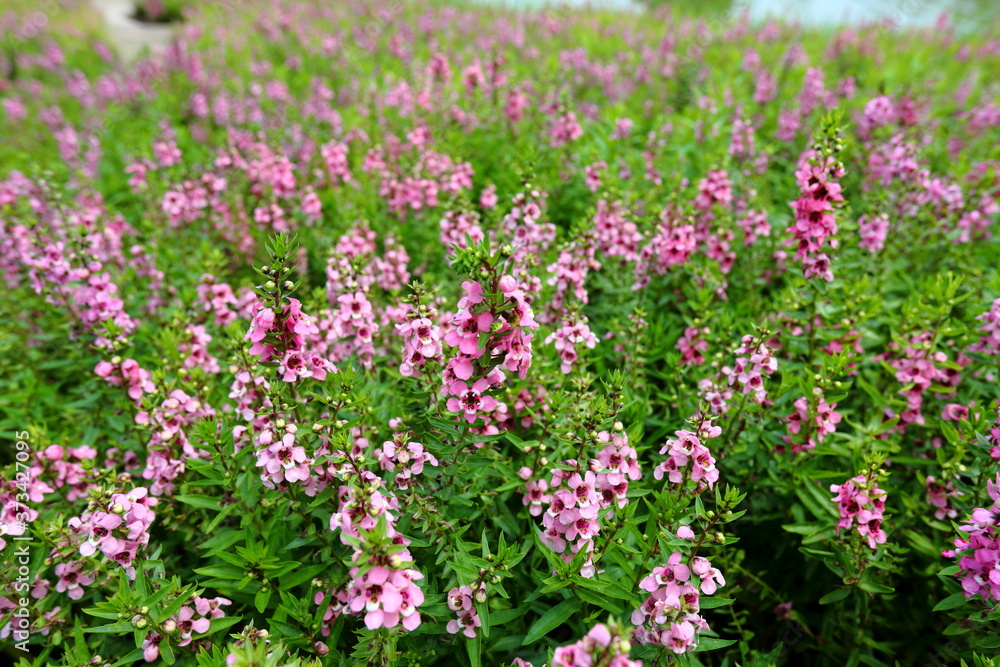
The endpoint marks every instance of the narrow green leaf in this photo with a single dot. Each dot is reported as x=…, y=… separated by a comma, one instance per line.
x=835, y=596
x=951, y=602
x=551, y=620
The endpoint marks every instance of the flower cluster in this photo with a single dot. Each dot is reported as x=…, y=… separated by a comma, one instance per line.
x=491, y=341
x=577, y=497
x=421, y=339
x=748, y=371
x=405, y=455
x=383, y=585
x=280, y=458
x=811, y=430
x=461, y=601
x=692, y=346
x=573, y=332
x=669, y=616
x=861, y=504
x=387, y=597
x=815, y=226
x=989, y=343
x=602, y=646
x=939, y=497
x=188, y=621
x=126, y=372
x=873, y=230
x=978, y=554
x=690, y=460
x=917, y=370
x=117, y=527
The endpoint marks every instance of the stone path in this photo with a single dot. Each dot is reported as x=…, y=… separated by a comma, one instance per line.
x=128, y=36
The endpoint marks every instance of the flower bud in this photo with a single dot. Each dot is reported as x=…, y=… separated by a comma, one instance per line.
x=263, y=634
x=317, y=427
x=169, y=625
x=144, y=610
x=280, y=423
x=269, y=285
x=619, y=426
x=287, y=285
x=118, y=508
x=480, y=594
x=320, y=648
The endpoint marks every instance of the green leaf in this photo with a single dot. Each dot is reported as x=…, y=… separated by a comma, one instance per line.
x=167, y=652
x=219, y=624
x=712, y=603
x=713, y=643
x=109, y=628
x=473, y=647
x=551, y=620
x=951, y=602
x=835, y=596
x=222, y=572
x=199, y=501
x=262, y=598
x=130, y=658
x=872, y=587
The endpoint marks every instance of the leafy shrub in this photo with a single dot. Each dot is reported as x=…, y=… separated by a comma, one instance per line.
x=417, y=335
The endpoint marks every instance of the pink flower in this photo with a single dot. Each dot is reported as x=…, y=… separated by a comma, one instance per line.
x=955, y=412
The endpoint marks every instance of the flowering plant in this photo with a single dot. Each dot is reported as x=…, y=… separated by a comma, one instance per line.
x=403, y=334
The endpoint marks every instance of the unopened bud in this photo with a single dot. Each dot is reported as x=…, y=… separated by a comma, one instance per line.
x=280, y=423
x=118, y=508
x=481, y=594
x=321, y=648
x=269, y=285
x=619, y=426
x=169, y=626
x=144, y=610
